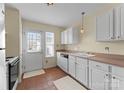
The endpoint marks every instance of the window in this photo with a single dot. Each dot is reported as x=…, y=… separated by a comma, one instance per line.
x=49, y=44
x=33, y=42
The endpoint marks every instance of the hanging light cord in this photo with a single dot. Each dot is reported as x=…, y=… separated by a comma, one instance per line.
x=82, y=19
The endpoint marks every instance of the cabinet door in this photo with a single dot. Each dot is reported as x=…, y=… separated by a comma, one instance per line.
x=81, y=70
x=99, y=79
x=72, y=60
x=117, y=83
x=66, y=37
x=104, y=27
x=119, y=23
x=121, y=34
x=70, y=36
x=62, y=37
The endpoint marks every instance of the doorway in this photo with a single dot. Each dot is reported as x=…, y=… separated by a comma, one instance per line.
x=33, y=50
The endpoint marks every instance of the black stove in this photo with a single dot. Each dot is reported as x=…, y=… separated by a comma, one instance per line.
x=13, y=69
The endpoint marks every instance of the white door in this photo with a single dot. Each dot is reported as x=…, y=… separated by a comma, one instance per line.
x=33, y=48
x=99, y=79
x=81, y=70
x=104, y=27
x=72, y=65
x=117, y=82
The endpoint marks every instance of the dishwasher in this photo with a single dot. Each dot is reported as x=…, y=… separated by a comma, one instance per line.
x=64, y=62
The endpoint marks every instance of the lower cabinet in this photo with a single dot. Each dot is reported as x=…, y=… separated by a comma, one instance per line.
x=117, y=78
x=81, y=70
x=72, y=60
x=94, y=75
x=98, y=76
x=99, y=80
x=117, y=82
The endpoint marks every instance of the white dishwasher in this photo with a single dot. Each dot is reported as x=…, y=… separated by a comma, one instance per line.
x=64, y=62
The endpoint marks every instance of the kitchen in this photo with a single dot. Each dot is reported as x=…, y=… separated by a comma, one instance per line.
x=85, y=50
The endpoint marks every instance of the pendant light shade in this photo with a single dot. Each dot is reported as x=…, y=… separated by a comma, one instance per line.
x=82, y=25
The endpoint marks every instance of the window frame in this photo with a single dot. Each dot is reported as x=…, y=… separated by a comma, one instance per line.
x=27, y=42
x=50, y=44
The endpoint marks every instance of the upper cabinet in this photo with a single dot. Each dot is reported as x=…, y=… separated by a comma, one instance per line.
x=104, y=27
x=109, y=27
x=70, y=36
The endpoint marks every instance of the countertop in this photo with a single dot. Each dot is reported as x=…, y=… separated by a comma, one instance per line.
x=112, y=59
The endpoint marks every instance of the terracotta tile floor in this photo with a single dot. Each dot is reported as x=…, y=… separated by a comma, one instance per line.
x=42, y=82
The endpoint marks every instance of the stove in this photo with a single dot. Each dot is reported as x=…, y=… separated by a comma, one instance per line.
x=13, y=71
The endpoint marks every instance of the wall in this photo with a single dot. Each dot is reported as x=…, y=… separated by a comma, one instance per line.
x=88, y=39
x=50, y=28
x=12, y=26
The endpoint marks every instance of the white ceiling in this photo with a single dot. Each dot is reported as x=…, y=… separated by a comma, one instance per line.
x=63, y=15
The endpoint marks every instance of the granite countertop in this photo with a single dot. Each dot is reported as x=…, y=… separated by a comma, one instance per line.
x=112, y=59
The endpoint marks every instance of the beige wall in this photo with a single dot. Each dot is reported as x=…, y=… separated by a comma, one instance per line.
x=88, y=39
x=12, y=26
x=50, y=28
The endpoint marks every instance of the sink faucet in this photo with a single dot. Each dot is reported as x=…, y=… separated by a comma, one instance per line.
x=107, y=49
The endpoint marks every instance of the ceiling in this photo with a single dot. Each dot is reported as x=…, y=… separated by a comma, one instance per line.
x=60, y=14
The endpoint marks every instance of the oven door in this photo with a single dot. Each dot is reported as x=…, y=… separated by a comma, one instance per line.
x=13, y=73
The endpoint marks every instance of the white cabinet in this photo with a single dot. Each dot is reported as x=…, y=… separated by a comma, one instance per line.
x=70, y=36
x=72, y=60
x=117, y=78
x=81, y=70
x=62, y=38
x=98, y=76
x=73, y=35
x=62, y=62
x=117, y=82
x=104, y=27
x=110, y=26
x=119, y=23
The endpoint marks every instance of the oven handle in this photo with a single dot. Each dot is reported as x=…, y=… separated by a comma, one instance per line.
x=15, y=63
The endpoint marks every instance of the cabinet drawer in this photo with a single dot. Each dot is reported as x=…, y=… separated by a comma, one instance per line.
x=81, y=61
x=118, y=71
x=98, y=65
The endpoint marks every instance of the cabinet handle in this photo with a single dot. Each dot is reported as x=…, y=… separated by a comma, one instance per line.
x=3, y=12
x=114, y=77
x=98, y=66
x=106, y=74
x=118, y=36
x=112, y=37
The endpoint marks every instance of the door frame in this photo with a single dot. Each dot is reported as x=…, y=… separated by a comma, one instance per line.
x=24, y=31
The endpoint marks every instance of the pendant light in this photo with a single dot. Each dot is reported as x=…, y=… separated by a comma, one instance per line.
x=82, y=25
